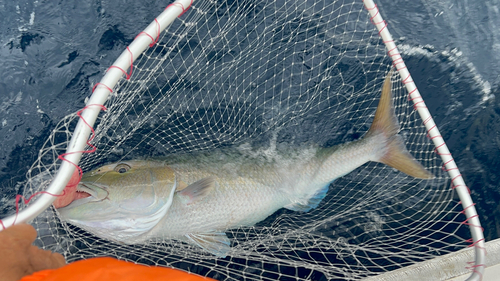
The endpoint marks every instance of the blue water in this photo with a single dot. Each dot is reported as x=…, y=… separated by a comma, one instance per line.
x=52, y=53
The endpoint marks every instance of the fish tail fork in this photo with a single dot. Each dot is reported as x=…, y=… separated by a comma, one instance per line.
x=386, y=124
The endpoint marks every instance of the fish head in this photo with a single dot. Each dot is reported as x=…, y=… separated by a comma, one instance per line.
x=122, y=201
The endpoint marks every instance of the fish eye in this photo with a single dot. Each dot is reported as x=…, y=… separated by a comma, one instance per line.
x=122, y=168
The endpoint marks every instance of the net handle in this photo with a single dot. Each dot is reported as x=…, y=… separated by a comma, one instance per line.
x=441, y=149
x=100, y=94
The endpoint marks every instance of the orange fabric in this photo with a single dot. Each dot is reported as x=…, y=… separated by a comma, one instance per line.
x=104, y=269
x=37, y=276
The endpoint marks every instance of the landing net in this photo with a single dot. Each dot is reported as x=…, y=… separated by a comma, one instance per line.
x=262, y=76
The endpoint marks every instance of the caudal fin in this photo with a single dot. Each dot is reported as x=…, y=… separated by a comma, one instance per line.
x=386, y=123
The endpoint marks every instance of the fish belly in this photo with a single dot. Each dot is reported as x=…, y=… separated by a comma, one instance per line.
x=232, y=203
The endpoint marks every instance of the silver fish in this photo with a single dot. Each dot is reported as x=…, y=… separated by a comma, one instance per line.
x=197, y=197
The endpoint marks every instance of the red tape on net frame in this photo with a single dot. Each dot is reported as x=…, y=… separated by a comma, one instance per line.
x=80, y=172
x=158, y=28
x=153, y=41
x=453, y=186
x=475, y=244
x=470, y=224
x=127, y=75
x=398, y=60
x=103, y=85
x=443, y=167
x=416, y=103
x=371, y=19
x=465, y=222
x=473, y=267
x=178, y=4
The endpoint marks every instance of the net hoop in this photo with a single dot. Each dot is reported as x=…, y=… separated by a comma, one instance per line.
x=149, y=37
x=76, y=147
x=457, y=182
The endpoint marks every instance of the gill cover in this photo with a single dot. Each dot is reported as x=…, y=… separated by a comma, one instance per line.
x=127, y=199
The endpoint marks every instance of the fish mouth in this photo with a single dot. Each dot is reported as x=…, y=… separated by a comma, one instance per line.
x=87, y=192
x=91, y=189
x=84, y=191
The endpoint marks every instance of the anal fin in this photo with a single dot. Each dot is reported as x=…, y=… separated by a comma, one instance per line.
x=216, y=243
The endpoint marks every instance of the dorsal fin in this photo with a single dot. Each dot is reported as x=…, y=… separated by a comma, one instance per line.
x=385, y=118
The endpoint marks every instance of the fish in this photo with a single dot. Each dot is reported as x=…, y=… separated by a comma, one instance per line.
x=197, y=197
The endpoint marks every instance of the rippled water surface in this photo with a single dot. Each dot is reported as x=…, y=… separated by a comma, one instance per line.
x=52, y=52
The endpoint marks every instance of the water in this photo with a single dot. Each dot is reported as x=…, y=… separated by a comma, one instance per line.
x=52, y=54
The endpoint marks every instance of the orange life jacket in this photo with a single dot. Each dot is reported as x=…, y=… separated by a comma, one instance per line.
x=104, y=269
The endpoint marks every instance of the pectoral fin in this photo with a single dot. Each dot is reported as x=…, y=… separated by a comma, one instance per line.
x=216, y=243
x=197, y=190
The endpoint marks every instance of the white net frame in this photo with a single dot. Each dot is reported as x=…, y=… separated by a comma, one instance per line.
x=307, y=255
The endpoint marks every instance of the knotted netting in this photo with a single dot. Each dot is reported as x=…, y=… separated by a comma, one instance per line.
x=262, y=76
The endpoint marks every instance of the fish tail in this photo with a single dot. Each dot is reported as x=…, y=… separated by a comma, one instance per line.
x=381, y=144
x=386, y=125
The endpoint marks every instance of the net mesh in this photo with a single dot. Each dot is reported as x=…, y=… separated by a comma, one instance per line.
x=262, y=76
